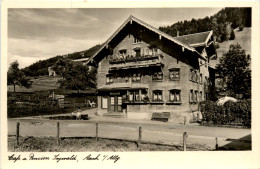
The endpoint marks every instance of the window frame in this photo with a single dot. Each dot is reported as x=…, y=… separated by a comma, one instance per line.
x=200, y=80
x=109, y=79
x=135, y=94
x=102, y=106
x=191, y=96
x=136, y=78
x=195, y=100
x=174, y=70
x=174, y=92
x=155, y=93
x=155, y=76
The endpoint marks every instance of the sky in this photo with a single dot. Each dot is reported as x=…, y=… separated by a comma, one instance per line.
x=39, y=34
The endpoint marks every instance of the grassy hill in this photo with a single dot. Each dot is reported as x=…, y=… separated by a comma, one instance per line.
x=242, y=37
x=39, y=84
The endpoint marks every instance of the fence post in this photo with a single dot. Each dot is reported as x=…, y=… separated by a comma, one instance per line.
x=17, y=133
x=96, y=131
x=58, y=133
x=184, y=140
x=140, y=134
x=216, y=143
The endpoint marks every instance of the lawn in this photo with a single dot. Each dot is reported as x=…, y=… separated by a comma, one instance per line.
x=242, y=37
x=49, y=144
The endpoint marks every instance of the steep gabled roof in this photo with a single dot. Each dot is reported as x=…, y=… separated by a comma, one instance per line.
x=196, y=39
x=160, y=33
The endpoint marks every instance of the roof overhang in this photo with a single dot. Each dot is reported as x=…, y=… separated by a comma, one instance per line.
x=160, y=33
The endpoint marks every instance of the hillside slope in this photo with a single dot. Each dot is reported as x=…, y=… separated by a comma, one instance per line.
x=242, y=37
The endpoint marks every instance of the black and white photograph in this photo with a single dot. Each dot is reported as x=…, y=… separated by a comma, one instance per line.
x=128, y=79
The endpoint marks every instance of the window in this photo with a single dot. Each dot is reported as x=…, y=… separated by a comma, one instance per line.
x=195, y=97
x=152, y=51
x=119, y=103
x=134, y=95
x=112, y=103
x=200, y=79
x=104, y=102
x=137, y=40
x=136, y=78
x=196, y=77
x=137, y=52
x=122, y=54
x=157, y=95
x=174, y=74
x=175, y=95
x=200, y=95
x=193, y=75
x=157, y=76
x=109, y=79
x=191, y=96
x=206, y=81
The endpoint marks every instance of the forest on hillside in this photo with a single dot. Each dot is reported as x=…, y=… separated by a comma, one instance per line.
x=221, y=23
x=40, y=68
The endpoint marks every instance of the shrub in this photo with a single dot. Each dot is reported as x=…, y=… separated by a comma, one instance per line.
x=241, y=28
x=16, y=110
x=228, y=114
x=232, y=35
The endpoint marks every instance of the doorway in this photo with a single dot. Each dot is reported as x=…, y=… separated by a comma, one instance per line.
x=115, y=104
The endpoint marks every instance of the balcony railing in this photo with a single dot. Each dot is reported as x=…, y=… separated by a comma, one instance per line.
x=131, y=58
x=138, y=64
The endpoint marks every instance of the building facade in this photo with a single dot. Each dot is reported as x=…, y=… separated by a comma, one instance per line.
x=141, y=70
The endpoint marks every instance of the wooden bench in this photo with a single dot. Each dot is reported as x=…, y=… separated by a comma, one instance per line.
x=85, y=117
x=164, y=116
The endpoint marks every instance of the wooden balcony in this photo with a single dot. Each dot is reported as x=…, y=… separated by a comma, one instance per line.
x=131, y=58
x=123, y=86
x=156, y=62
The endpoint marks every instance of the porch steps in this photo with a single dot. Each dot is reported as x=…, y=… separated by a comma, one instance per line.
x=119, y=115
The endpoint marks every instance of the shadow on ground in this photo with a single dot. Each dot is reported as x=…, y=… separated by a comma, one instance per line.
x=243, y=143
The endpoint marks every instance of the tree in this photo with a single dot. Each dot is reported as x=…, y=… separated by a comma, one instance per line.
x=16, y=77
x=234, y=72
x=76, y=76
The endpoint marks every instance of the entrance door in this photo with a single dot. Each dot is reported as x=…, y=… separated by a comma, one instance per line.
x=115, y=104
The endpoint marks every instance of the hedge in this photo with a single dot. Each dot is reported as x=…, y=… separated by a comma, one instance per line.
x=231, y=113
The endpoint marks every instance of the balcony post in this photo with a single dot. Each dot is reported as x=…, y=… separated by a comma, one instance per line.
x=140, y=94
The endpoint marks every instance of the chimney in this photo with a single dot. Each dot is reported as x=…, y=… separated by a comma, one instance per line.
x=177, y=33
